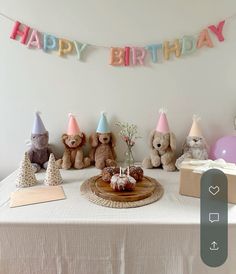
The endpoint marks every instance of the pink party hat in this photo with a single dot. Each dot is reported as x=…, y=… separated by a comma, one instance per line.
x=162, y=125
x=195, y=130
x=73, y=128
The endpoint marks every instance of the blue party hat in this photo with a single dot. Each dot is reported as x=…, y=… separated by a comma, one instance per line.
x=38, y=126
x=103, y=126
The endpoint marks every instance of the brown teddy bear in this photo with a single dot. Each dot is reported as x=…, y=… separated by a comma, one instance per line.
x=102, y=143
x=102, y=152
x=162, y=143
x=73, y=140
x=73, y=156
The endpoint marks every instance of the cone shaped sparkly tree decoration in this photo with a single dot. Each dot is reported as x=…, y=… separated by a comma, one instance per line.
x=26, y=176
x=53, y=176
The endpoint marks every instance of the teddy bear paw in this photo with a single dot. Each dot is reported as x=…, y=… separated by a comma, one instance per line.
x=147, y=163
x=100, y=165
x=87, y=162
x=170, y=167
x=79, y=165
x=66, y=165
x=111, y=163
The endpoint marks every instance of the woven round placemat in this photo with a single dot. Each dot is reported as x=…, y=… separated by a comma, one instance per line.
x=92, y=197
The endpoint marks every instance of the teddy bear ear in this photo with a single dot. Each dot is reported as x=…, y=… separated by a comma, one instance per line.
x=83, y=136
x=93, y=139
x=113, y=139
x=172, y=141
x=64, y=137
x=151, y=137
x=185, y=146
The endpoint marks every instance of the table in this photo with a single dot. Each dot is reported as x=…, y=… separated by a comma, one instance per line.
x=77, y=236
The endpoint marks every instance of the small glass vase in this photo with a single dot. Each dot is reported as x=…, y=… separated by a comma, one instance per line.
x=129, y=158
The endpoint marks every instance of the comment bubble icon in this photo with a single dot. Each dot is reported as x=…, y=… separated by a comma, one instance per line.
x=214, y=217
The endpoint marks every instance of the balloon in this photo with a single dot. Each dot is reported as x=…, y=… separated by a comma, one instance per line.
x=79, y=48
x=34, y=40
x=188, y=45
x=175, y=48
x=218, y=30
x=17, y=32
x=65, y=47
x=204, y=40
x=117, y=57
x=127, y=55
x=224, y=148
x=138, y=55
x=49, y=42
x=153, y=50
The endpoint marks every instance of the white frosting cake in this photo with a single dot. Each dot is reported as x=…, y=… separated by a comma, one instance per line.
x=122, y=182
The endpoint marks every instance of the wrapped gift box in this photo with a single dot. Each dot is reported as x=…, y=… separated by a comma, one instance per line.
x=191, y=172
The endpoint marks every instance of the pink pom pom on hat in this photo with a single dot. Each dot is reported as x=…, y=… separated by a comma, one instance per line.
x=73, y=128
x=162, y=125
x=195, y=130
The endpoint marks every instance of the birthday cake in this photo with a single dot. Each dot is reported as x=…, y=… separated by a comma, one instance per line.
x=122, y=182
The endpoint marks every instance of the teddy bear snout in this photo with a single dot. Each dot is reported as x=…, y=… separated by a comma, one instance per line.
x=72, y=142
x=158, y=145
x=105, y=139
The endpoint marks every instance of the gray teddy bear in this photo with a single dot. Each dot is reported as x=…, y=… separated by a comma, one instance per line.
x=39, y=151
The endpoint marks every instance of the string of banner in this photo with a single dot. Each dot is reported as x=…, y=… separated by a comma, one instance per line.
x=119, y=56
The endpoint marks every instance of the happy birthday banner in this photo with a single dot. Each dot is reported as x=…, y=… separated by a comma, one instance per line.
x=119, y=56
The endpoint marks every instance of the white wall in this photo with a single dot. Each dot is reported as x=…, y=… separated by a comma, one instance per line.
x=29, y=79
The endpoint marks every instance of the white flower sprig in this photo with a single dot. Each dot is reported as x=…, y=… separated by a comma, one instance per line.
x=128, y=133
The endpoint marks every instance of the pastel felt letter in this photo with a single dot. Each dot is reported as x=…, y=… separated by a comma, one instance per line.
x=204, y=40
x=79, y=47
x=175, y=48
x=117, y=57
x=218, y=30
x=189, y=45
x=153, y=51
x=34, y=40
x=17, y=32
x=49, y=42
x=64, y=47
x=138, y=55
x=127, y=55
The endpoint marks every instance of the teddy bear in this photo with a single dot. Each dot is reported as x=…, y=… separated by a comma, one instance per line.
x=102, y=152
x=163, y=146
x=73, y=156
x=162, y=143
x=102, y=142
x=195, y=146
x=39, y=151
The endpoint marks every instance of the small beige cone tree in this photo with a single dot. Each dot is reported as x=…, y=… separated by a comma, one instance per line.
x=26, y=176
x=53, y=175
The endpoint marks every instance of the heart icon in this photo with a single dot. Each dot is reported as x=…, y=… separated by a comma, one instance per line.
x=214, y=190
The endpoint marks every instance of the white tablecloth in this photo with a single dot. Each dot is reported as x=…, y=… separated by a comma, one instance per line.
x=77, y=236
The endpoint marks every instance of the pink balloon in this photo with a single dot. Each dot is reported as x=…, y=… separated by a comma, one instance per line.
x=224, y=148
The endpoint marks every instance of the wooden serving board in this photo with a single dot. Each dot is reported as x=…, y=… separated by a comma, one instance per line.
x=143, y=189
